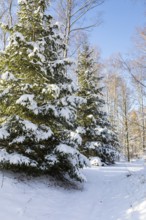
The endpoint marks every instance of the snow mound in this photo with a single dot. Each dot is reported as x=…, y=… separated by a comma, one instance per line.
x=95, y=161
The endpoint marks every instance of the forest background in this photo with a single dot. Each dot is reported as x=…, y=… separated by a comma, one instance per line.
x=119, y=52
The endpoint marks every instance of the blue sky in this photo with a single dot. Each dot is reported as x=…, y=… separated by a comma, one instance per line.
x=120, y=20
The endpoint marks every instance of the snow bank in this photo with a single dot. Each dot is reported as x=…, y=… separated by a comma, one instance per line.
x=109, y=194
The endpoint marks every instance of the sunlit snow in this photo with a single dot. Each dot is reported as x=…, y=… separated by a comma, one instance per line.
x=111, y=193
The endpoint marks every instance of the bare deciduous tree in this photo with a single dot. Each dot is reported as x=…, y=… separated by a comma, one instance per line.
x=72, y=14
x=7, y=16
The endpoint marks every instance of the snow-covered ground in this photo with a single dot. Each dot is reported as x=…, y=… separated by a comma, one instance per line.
x=111, y=193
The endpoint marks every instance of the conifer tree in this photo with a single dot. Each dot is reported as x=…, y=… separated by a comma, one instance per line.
x=98, y=137
x=37, y=101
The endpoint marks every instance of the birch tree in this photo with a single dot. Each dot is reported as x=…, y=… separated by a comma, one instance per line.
x=141, y=98
x=73, y=16
x=8, y=17
x=125, y=108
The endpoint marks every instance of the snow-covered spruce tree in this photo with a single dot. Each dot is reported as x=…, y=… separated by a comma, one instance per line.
x=97, y=134
x=37, y=105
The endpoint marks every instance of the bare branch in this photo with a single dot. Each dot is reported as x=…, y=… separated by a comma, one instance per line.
x=84, y=28
x=87, y=4
x=72, y=14
x=127, y=67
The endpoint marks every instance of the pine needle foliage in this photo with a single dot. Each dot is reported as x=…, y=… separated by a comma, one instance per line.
x=99, y=139
x=37, y=102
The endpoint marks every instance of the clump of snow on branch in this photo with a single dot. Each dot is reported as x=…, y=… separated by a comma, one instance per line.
x=7, y=76
x=28, y=101
x=15, y=158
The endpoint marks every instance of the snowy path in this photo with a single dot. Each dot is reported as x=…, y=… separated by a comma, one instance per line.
x=111, y=193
